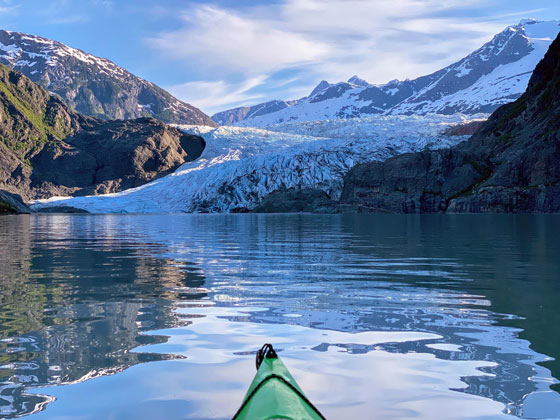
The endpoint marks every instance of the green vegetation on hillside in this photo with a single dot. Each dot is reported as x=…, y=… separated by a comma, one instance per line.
x=29, y=116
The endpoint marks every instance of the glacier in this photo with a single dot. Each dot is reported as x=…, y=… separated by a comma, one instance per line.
x=241, y=165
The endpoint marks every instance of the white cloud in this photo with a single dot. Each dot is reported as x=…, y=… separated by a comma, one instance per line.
x=387, y=39
x=322, y=39
x=7, y=7
x=66, y=20
x=219, y=38
x=214, y=96
x=211, y=96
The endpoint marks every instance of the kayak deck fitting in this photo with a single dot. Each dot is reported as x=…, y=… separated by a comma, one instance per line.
x=274, y=393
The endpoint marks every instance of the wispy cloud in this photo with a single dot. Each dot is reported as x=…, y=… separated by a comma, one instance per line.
x=66, y=20
x=66, y=12
x=333, y=39
x=8, y=7
x=212, y=96
x=108, y=4
x=217, y=38
x=524, y=13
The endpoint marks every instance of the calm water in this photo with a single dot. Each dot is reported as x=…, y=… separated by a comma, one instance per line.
x=377, y=316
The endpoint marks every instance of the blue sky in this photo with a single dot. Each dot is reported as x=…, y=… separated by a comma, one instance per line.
x=225, y=53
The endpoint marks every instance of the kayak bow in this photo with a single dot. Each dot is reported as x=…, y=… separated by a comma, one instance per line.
x=274, y=393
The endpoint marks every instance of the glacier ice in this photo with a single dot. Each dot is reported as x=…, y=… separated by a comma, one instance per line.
x=240, y=166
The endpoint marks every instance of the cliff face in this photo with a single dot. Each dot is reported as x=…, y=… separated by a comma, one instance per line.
x=512, y=164
x=47, y=149
x=12, y=204
x=111, y=156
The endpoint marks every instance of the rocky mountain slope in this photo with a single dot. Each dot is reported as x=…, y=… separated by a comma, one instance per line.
x=512, y=164
x=91, y=85
x=12, y=204
x=493, y=75
x=47, y=149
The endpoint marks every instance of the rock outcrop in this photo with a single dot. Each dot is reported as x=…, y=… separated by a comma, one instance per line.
x=12, y=204
x=294, y=200
x=467, y=129
x=47, y=149
x=511, y=164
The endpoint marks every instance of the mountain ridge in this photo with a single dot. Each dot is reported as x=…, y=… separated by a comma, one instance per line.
x=492, y=75
x=92, y=85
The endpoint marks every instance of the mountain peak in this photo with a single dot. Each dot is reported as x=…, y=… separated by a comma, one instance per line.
x=323, y=84
x=92, y=85
x=503, y=66
x=355, y=80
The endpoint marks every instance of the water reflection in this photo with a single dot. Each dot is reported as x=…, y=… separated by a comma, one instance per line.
x=478, y=294
x=72, y=310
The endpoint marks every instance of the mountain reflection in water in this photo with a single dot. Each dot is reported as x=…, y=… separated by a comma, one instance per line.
x=79, y=292
x=71, y=310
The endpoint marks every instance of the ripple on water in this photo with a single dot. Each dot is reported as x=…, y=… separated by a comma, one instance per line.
x=376, y=316
x=328, y=364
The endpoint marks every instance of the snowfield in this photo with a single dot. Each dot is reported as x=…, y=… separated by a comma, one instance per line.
x=240, y=166
x=52, y=52
x=506, y=82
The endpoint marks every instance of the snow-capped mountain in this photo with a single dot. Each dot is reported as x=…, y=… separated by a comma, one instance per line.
x=246, y=112
x=240, y=166
x=93, y=86
x=495, y=74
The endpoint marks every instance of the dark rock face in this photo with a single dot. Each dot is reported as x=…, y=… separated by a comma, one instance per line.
x=112, y=156
x=91, y=85
x=331, y=92
x=323, y=84
x=467, y=129
x=511, y=164
x=47, y=149
x=12, y=204
x=305, y=200
x=63, y=209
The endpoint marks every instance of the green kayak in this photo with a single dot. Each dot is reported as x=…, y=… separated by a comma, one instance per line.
x=274, y=393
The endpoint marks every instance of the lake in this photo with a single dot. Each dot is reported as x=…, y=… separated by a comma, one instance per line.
x=376, y=316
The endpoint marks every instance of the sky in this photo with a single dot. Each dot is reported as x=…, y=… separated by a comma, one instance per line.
x=226, y=53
